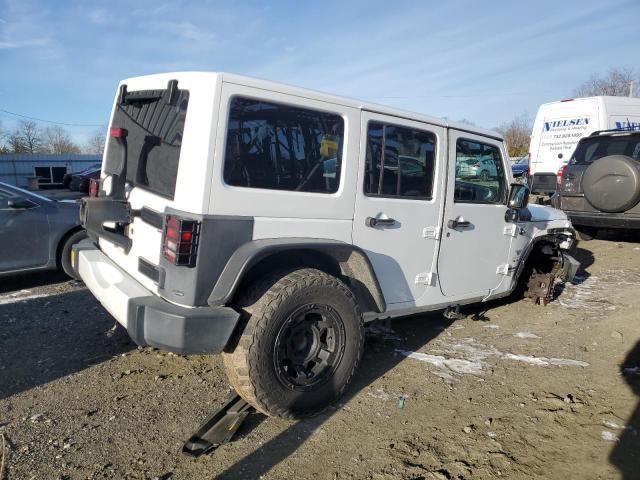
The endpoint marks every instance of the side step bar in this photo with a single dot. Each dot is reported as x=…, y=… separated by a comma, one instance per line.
x=219, y=427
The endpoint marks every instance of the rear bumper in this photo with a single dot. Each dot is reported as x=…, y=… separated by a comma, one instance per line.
x=604, y=220
x=150, y=320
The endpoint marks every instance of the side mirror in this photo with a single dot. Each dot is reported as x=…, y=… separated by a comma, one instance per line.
x=518, y=196
x=19, y=203
x=518, y=199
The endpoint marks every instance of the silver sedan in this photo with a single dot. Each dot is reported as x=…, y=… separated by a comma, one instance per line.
x=36, y=233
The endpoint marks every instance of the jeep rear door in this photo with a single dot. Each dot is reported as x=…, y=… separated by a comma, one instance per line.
x=399, y=203
x=474, y=246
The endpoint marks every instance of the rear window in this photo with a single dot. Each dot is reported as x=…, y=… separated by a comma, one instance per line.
x=593, y=148
x=282, y=147
x=154, y=120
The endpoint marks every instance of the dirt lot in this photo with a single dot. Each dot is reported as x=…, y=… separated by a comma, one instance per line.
x=514, y=391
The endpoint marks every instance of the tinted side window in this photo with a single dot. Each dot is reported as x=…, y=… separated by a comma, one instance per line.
x=282, y=147
x=480, y=176
x=399, y=162
x=592, y=149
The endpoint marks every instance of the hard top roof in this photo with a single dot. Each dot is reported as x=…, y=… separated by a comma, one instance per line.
x=335, y=99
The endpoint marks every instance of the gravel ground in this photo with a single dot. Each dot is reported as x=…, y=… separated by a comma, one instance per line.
x=513, y=391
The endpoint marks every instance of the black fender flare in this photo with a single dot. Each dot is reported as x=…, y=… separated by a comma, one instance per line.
x=352, y=260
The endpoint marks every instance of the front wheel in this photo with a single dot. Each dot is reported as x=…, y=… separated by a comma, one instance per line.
x=301, y=346
x=65, y=252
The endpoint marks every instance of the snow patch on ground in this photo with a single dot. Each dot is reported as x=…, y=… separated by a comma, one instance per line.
x=613, y=425
x=466, y=356
x=526, y=335
x=21, y=296
x=543, y=361
x=591, y=294
x=609, y=436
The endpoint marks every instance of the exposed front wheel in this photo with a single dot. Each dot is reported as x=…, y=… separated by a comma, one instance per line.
x=301, y=346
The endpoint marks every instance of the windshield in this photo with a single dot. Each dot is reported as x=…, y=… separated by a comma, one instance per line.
x=593, y=148
x=25, y=193
x=523, y=160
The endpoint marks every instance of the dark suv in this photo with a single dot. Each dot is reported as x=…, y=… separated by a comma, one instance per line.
x=600, y=187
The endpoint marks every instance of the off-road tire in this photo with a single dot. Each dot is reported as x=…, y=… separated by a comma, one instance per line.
x=65, y=252
x=266, y=308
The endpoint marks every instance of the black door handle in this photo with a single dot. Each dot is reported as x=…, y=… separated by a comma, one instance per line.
x=458, y=222
x=379, y=222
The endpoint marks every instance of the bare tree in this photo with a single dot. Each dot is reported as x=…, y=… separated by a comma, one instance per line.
x=517, y=134
x=26, y=138
x=617, y=82
x=57, y=140
x=3, y=137
x=95, y=144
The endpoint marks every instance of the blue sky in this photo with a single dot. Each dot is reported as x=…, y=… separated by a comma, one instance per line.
x=482, y=61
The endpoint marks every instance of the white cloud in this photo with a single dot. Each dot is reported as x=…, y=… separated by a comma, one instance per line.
x=186, y=31
x=34, y=42
x=100, y=16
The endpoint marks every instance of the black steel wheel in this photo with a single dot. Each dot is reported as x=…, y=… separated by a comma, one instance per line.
x=301, y=346
x=309, y=347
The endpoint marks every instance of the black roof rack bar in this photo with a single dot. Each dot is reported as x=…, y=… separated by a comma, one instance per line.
x=614, y=130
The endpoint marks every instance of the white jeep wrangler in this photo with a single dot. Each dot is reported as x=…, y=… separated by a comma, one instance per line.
x=269, y=222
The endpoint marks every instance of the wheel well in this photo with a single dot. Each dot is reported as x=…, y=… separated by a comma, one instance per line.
x=333, y=263
x=541, y=258
x=62, y=241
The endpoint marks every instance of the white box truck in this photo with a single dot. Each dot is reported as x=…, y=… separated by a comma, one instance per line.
x=560, y=125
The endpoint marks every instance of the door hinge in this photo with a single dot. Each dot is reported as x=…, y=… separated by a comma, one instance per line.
x=427, y=278
x=511, y=230
x=505, y=269
x=431, y=232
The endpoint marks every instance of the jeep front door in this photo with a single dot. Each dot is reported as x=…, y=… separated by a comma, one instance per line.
x=475, y=249
x=399, y=201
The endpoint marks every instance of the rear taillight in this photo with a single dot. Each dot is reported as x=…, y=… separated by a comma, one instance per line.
x=559, y=174
x=94, y=186
x=117, y=132
x=180, y=243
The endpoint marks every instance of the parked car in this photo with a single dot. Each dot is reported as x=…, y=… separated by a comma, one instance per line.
x=276, y=220
x=520, y=169
x=81, y=182
x=560, y=125
x=66, y=180
x=475, y=161
x=600, y=187
x=36, y=233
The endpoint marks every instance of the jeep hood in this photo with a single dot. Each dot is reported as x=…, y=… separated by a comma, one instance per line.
x=541, y=213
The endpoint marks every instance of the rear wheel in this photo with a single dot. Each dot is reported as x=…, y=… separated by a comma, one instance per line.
x=65, y=252
x=301, y=345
